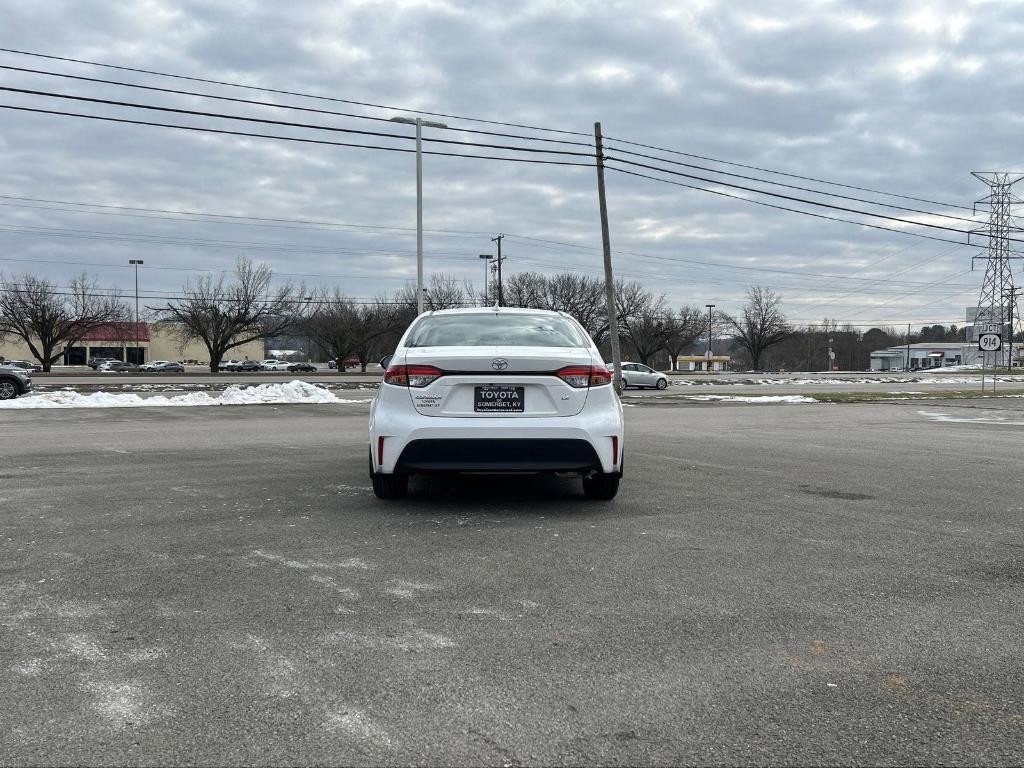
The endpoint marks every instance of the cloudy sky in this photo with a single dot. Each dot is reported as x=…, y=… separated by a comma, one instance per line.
x=902, y=97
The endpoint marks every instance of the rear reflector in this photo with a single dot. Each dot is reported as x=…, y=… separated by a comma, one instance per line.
x=380, y=451
x=412, y=375
x=615, y=450
x=581, y=376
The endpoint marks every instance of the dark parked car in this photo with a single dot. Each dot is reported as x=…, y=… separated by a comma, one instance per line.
x=14, y=381
x=247, y=365
x=304, y=367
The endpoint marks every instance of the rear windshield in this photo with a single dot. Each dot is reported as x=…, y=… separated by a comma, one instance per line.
x=490, y=329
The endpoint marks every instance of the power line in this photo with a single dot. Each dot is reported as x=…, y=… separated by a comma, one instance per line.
x=790, y=175
x=284, y=123
x=287, y=93
x=791, y=186
x=294, y=107
x=708, y=263
x=247, y=134
x=784, y=208
x=311, y=225
x=791, y=198
x=298, y=249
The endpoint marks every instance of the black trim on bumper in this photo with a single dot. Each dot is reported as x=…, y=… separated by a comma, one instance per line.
x=498, y=455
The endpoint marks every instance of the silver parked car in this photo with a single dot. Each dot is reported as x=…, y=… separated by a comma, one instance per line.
x=641, y=376
x=14, y=381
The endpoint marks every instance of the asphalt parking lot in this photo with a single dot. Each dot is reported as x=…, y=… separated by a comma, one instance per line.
x=799, y=584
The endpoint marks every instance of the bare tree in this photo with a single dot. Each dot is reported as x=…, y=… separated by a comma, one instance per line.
x=577, y=295
x=760, y=324
x=684, y=328
x=442, y=291
x=332, y=324
x=378, y=327
x=226, y=315
x=647, y=326
x=50, y=321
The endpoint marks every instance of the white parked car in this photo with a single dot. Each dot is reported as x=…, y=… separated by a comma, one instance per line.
x=274, y=365
x=496, y=390
x=153, y=365
x=642, y=376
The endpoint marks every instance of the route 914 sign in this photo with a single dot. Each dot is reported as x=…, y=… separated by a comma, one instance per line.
x=990, y=342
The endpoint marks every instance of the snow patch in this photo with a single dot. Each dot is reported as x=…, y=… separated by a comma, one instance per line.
x=986, y=418
x=756, y=399
x=292, y=392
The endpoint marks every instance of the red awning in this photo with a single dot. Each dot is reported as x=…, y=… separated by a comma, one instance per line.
x=119, y=332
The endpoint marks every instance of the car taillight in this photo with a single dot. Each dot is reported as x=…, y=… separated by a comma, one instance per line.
x=412, y=375
x=581, y=376
x=577, y=376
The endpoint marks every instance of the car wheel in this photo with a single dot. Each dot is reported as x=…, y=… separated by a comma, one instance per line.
x=601, y=487
x=390, y=486
x=662, y=383
x=8, y=390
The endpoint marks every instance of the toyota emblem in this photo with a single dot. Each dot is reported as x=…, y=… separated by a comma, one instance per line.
x=499, y=364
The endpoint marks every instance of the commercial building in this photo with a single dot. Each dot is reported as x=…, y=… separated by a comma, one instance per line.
x=700, y=363
x=927, y=354
x=132, y=343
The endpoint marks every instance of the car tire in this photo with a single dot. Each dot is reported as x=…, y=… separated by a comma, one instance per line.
x=390, y=486
x=662, y=383
x=601, y=487
x=8, y=390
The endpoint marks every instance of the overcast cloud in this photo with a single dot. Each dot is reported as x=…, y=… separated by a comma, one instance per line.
x=903, y=96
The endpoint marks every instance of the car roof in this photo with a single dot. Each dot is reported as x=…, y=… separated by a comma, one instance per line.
x=496, y=310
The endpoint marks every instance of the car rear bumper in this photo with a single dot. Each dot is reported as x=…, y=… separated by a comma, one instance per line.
x=405, y=441
x=498, y=455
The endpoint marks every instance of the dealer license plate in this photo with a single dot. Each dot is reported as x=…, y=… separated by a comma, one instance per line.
x=495, y=398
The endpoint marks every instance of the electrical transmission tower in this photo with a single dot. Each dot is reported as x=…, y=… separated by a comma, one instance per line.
x=995, y=300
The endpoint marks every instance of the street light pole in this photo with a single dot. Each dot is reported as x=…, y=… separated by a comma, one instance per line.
x=135, y=263
x=419, y=123
x=709, y=354
x=829, y=366
x=487, y=265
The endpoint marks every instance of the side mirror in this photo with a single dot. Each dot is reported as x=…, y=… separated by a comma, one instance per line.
x=385, y=361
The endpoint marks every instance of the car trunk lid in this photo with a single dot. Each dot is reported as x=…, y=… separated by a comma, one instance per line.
x=510, y=382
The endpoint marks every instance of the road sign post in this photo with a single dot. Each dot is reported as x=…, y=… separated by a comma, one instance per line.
x=989, y=342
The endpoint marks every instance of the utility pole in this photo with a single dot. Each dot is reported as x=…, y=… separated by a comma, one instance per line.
x=135, y=263
x=498, y=240
x=709, y=354
x=487, y=263
x=831, y=356
x=1011, y=300
x=609, y=281
x=908, y=348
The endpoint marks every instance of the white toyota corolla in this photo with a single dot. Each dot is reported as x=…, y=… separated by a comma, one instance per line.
x=496, y=391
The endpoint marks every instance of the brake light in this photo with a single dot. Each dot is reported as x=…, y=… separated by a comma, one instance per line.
x=581, y=376
x=412, y=375
x=576, y=376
